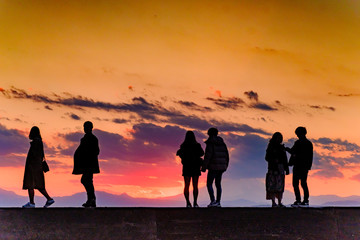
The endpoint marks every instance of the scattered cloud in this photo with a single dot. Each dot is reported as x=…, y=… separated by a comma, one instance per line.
x=119, y=120
x=73, y=116
x=252, y=95
x=48, y=108
x=263, y=106
x=345, y=95
x=322, y=107
x=194, y=106
x=231, y=102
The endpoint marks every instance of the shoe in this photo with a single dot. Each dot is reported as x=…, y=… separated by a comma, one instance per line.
x=214, y=204
x=29, y=205
x=304, y=204
x=48, y=203
x=296, y=204
x=274, y=205
x=196, y=205
x=280, y=205
x=90, y=204
x=188, y=205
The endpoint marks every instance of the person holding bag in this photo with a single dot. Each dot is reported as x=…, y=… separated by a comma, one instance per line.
x=34, y=172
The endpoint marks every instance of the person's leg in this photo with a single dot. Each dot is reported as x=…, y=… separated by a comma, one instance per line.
x=186, y=189
x=295, y=183
x=195, y=181
x=209, y=182
x=218, y=177
x=44, y=192
x=87, y=181
x=31, y=195
x=304, y=185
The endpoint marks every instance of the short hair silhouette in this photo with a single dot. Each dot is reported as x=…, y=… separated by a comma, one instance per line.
x=88, y=126
x=212, y=132
x=34, y=133
x=301, y=131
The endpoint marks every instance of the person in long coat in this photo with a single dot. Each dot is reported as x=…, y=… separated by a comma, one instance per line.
x=34, y=175
x=277, y=168
x=190, y=153
x=86, y=162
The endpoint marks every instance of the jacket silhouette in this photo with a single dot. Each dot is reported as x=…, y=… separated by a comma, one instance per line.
x=216, y=154
x=302, y=154
x=86, y=155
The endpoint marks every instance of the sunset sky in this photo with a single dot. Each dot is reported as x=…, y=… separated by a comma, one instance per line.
x=145, y=72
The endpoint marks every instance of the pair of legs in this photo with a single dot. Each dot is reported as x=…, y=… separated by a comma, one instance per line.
x=195, y=181
x=214, y=175
x=87, y=181
x=278, y=196
x=300, y=175
x=42, y=191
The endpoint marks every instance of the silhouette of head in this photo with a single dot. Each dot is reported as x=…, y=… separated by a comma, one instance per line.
x=88, y=126
x=276, y=138
x=300, y=132
x=190, y=137
x=212, y=132
x=34, y=133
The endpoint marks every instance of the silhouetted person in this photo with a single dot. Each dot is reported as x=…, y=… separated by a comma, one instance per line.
x=277, y=167
x=216, y=160
x=190, y=153
x=301, y=158
x=86, y=162
x=34, y=175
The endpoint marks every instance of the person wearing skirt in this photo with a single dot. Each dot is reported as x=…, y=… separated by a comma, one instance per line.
x=277, y=168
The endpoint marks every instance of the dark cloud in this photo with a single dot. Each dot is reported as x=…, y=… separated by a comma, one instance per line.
x=73, y=116
x=337, y=145
x=322, y=107
x=48, y=108
x=247, y=159
x=119, y=120
x=195, y=122
x=267, y=50
x=231, y=103
x=263, y=106
x=12, y=141
x=139, y=105
x=194, y=106
x=252, y=95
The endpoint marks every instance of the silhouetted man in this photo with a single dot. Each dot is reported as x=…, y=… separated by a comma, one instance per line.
x=301, y=158
x=86, y=162
x=216, y=160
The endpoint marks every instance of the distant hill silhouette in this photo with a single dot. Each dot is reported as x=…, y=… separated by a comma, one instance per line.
x=10, y=199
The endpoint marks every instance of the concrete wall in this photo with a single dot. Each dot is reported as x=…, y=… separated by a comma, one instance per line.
x=180, y=223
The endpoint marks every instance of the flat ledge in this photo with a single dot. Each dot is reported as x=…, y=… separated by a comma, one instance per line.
x=180, y=223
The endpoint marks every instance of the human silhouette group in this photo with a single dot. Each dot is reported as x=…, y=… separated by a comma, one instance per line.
x=215, y=159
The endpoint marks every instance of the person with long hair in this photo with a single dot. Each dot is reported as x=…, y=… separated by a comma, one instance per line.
x=34, y=175
x=190, y=153
x=277, y=168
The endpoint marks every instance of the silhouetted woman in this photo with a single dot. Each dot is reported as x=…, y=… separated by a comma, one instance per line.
x=277, y=167
x=190, y=153
x=34, y=176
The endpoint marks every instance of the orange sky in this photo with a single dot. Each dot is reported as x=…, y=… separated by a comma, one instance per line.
x=300, y=58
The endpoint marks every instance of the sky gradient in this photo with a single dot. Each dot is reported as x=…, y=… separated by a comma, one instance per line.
x=145, y=72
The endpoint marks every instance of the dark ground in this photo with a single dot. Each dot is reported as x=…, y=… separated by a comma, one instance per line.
x=180, y=223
